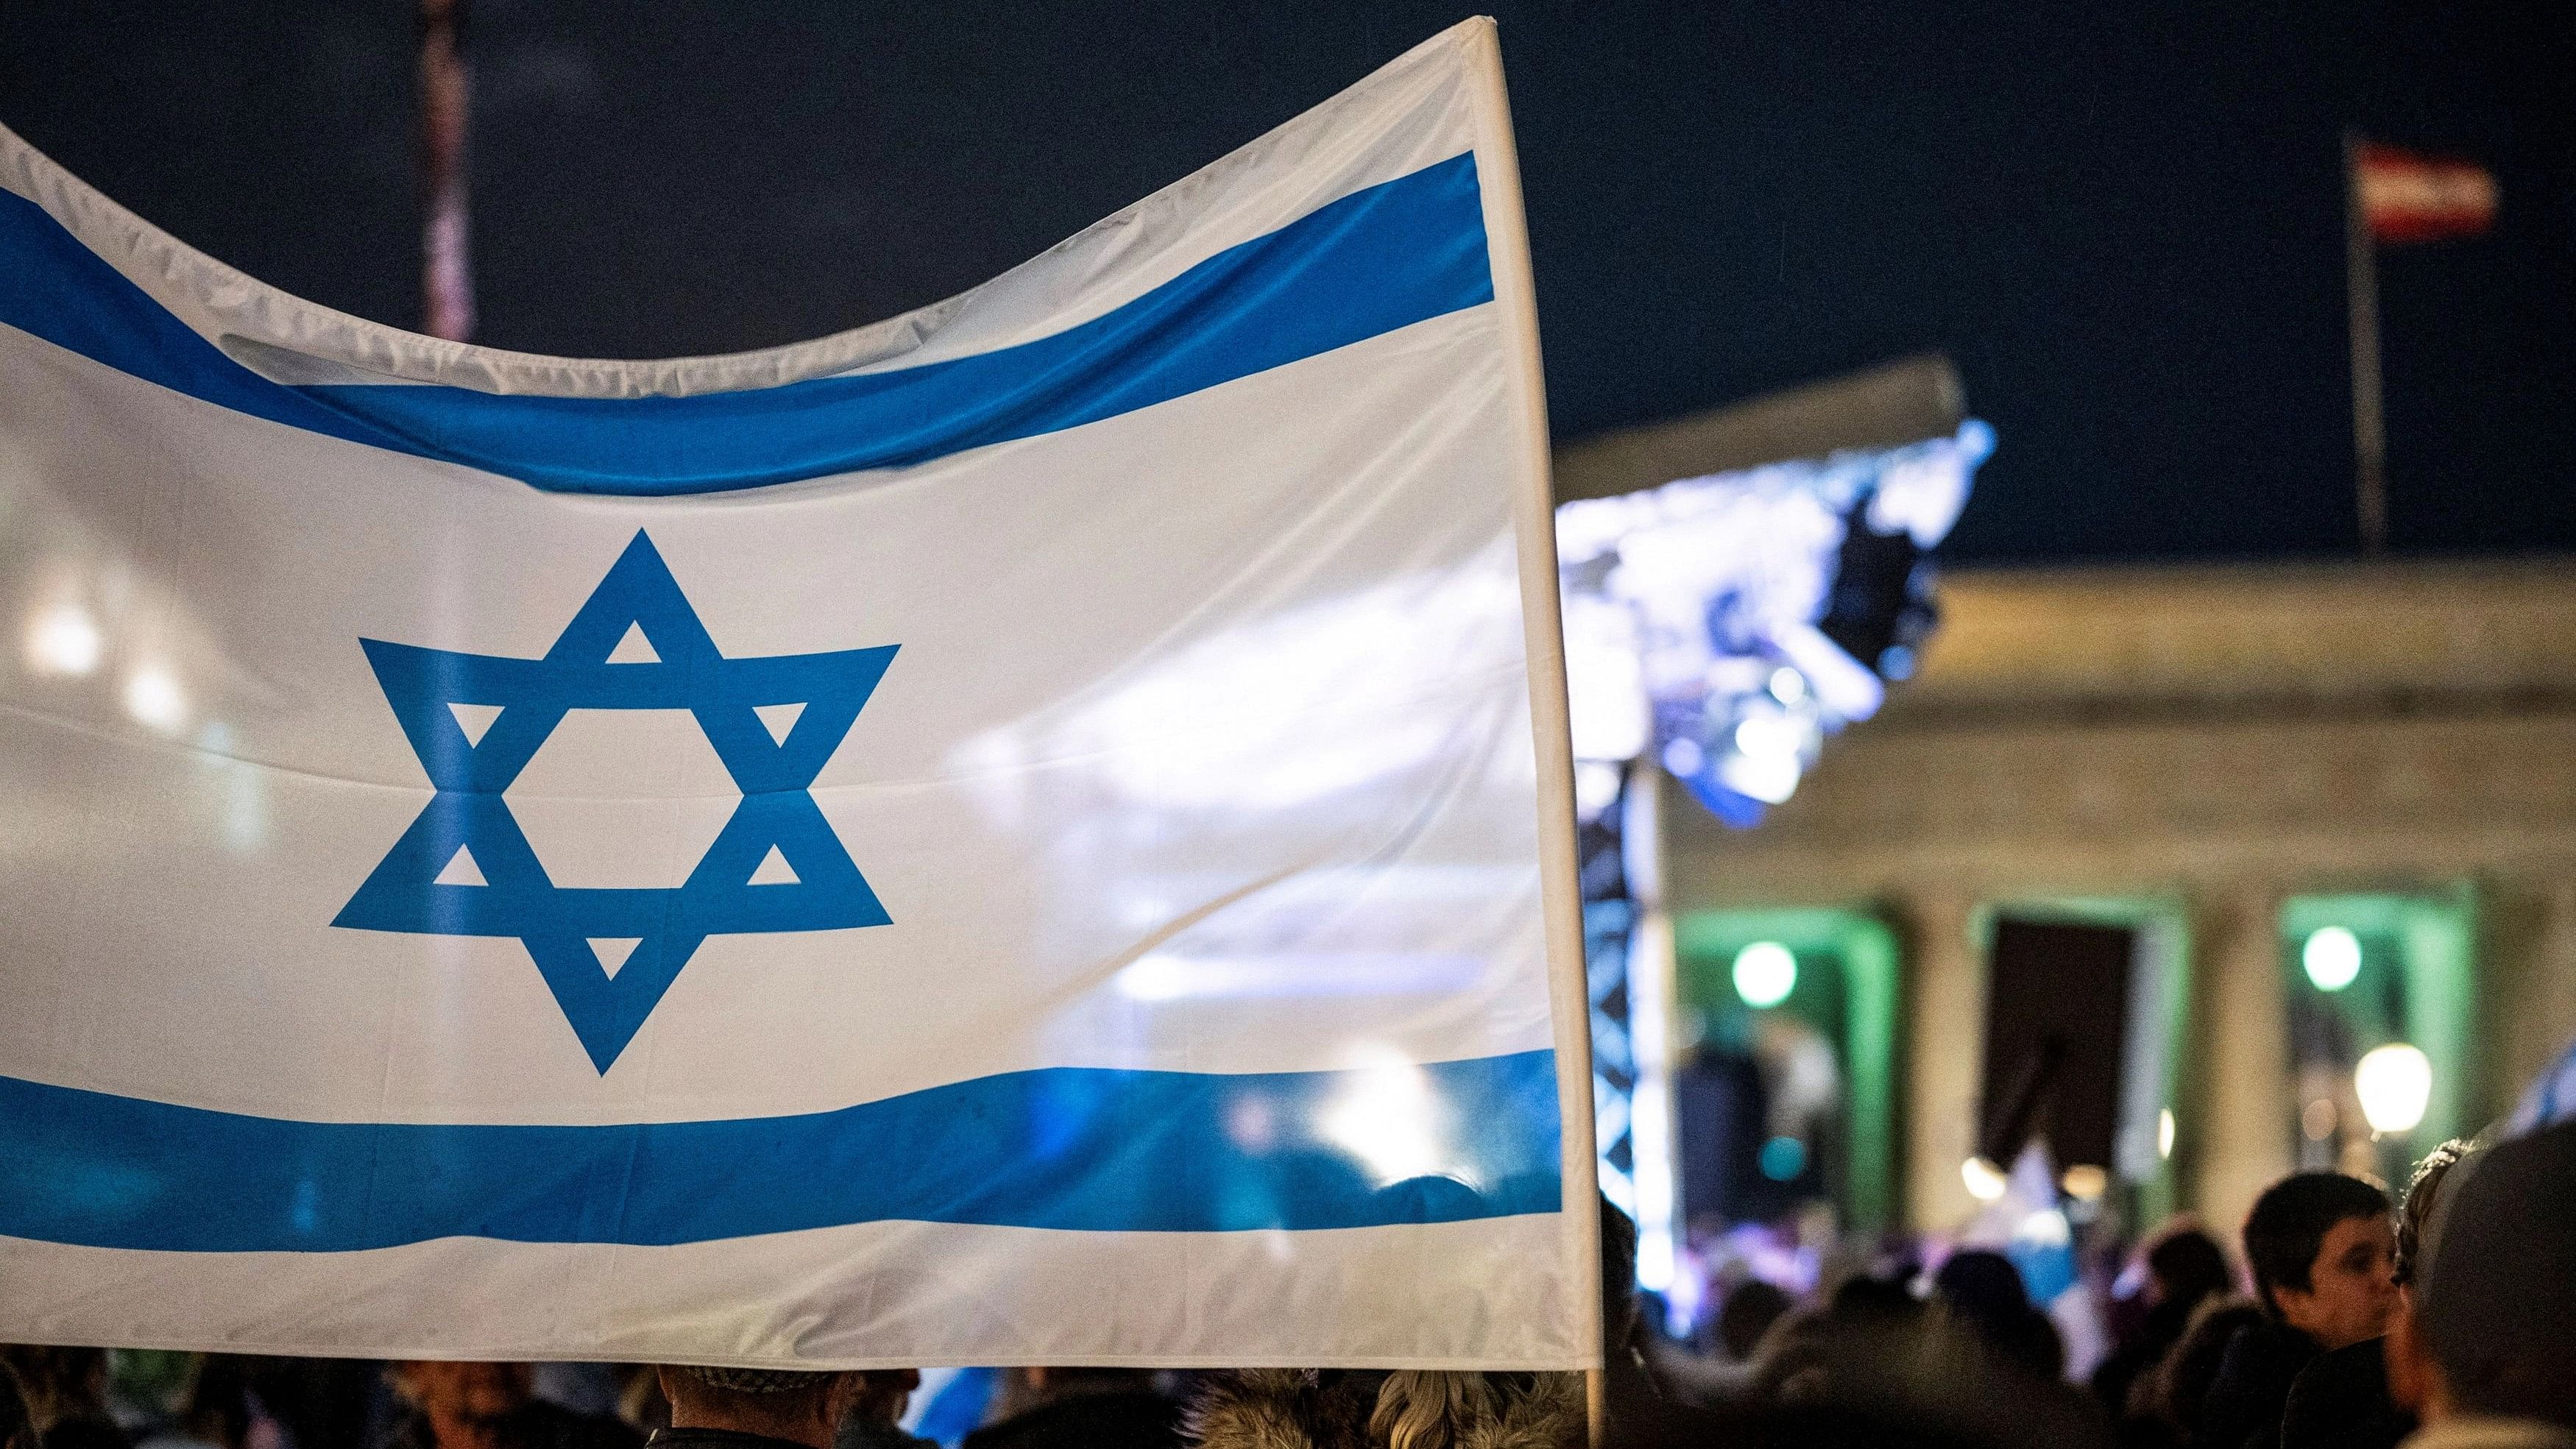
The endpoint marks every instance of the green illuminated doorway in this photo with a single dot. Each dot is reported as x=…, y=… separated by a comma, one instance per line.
x=1841, y=986
x=2366, y=970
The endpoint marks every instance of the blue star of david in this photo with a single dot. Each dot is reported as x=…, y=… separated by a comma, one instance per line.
x=557, y=924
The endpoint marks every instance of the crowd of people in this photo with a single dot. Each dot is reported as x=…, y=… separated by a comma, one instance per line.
x=2445, y=1321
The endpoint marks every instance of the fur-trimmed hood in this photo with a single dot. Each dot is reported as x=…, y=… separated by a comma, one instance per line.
x=1406, y=1409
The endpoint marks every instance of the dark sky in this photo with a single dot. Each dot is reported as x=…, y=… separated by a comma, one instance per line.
x=2124, y=222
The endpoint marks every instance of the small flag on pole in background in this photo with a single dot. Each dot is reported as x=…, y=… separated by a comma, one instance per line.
x=2393, y=196
x=2407, y=197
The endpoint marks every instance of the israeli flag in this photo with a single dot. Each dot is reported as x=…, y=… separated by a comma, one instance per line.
x=1038, y=831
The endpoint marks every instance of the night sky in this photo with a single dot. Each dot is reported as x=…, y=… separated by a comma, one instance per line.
x=2127, y=229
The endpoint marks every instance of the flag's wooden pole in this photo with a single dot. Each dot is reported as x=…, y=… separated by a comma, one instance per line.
x=2361, y=292
x=1534, y=522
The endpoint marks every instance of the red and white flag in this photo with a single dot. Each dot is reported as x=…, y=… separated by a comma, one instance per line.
x=2406, y=197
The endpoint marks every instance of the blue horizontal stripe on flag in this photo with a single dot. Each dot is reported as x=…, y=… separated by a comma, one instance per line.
x=1382, y=258
x=1087, y=1149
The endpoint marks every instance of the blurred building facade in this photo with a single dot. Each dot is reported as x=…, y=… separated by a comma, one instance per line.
x=2217, y=759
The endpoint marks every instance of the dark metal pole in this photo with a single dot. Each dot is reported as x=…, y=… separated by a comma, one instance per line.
x=2369, y=427
x=447, y=274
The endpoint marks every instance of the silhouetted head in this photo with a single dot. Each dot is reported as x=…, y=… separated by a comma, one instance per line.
x=2497, y=1300
x=798, y=1406
x=1982, y=1287
x=1863, y=1296
x=2415, y=1211
x=2187, y=1266
x=1747, y=1314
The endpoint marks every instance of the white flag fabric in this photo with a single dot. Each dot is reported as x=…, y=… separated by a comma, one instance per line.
x=1035, y=832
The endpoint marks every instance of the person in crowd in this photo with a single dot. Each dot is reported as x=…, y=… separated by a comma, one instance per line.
x=312, y=1403
x=221, y=1411
x=2176, y=1390
x=1795, y=1355
x=1872, y=1366
x=1747, y=1314
x=17, y=1422
x=1801, y=1356
x=2484, y=1347
x=740, y=1408
x=2341, y=1400
x=1081, y=1408
x=1982, y=1292
x=489, y=1406
x=1869, y=1296
x=2320, y=1245
x=1366, y=1409
x=1744, y=1318
x=66, y=1394
x=2184, y=1268
x=874, y=1416
x=639, y=1399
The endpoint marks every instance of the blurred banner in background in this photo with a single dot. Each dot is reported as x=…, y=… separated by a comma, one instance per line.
x=1039, y=831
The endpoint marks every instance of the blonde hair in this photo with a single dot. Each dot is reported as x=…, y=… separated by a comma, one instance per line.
x=1430, y=1408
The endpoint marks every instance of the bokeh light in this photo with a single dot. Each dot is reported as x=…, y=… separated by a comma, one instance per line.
x=1985, y=1180
x=1783, y=1158
x=2395, y=1083
x=1765, y=973
x=2332, y=957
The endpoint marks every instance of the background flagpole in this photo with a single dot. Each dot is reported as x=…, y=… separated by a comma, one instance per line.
x=445, y=88
x=2369, y=428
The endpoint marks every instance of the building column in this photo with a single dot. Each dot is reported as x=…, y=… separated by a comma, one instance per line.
x=2527, y=985
x=2234, y=1123
x=1943, y=1042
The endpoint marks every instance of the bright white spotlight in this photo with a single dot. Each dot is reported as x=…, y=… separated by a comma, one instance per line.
x=2332, y=957
x=63, y=640
x=1765, y=973
x=1762, y=735
x=1787, y=685
x=2164, y=1132
x=2394, y=1083
x=155, y=699
x=1985, y=1180
x=1770, y=779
